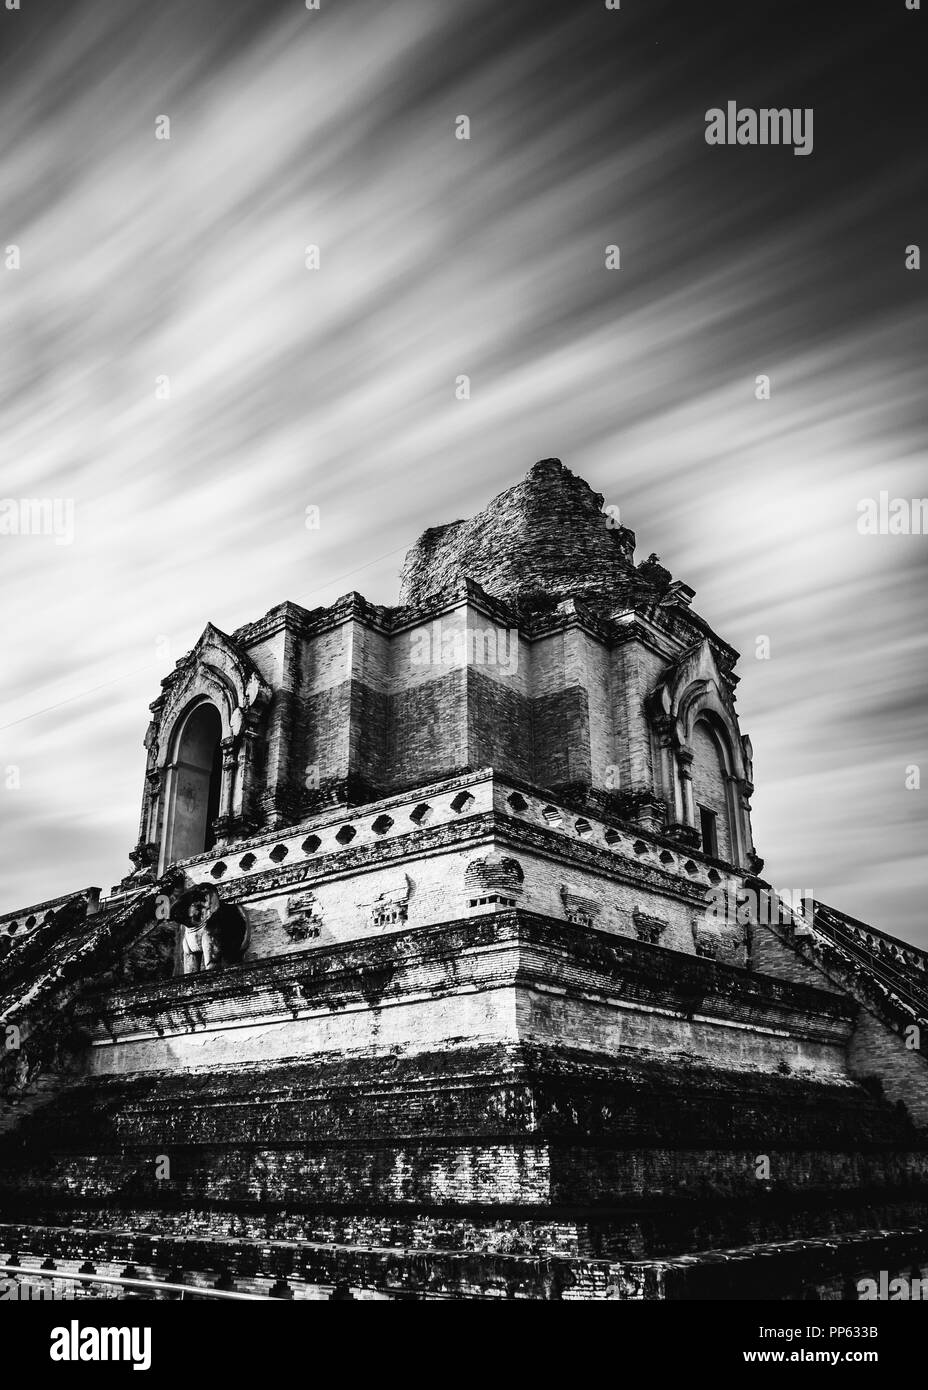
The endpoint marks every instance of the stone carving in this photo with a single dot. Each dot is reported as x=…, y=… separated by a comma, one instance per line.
x=210, y=934
x=583, y=911
x=304, y=917
x=150, y=744
x=494, y=878
x=199, y=942
x=705, y=939
x=391, y=908
x=648, y=928
x=144, y=856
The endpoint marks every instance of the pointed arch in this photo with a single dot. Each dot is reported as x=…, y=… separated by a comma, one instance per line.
x=710, y=773
x=704, y=762
x=194, y=782
x=176, y=821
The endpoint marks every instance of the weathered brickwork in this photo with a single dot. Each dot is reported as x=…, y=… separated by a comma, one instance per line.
x=500, y=727
x=564, y=549
x=875, y=1050
x=514, y=977
x=771, y=956
x=635, y=670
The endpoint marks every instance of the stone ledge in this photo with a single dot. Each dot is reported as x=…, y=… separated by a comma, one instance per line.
x=14, y=923
x=474, y=1096
x=826, y=1267
x=612, y=960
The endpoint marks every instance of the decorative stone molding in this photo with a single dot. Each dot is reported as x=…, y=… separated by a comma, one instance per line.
x=696, y=688
x=145, y=855
x=649, y=929
x=214, y=669
x=304, y=917
x=493, y=875
x=579, y=909
x=391, y=908
x=706, y=940
x=684, y=835
x=218, y=673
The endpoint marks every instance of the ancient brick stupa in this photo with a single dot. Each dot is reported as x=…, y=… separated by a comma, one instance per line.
x=433, y=979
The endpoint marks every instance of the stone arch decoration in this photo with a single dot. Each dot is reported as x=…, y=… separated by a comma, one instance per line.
x=702, y=761
x=187, y=805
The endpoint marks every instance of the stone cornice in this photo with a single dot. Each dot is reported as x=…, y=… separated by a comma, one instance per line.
x=475, y=830
x=511, y=946
x=638, y=623
x=619, y=850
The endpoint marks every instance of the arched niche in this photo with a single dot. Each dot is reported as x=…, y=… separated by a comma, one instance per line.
x=194, y=783
x=173, y=825
x=183, y=737
x=702, y=761
x=710, y=772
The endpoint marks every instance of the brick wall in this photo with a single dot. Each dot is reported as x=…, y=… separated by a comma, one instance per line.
x=877, y=1051
x=548, y=533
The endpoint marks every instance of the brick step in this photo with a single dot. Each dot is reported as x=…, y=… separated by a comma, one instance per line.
x=825, y=1267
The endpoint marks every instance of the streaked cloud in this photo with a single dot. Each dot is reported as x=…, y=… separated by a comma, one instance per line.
x=336, y=388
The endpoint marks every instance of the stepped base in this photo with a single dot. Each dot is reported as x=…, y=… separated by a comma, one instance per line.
x=822, y=1268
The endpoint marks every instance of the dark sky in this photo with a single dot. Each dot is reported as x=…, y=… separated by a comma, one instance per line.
x=185, y=259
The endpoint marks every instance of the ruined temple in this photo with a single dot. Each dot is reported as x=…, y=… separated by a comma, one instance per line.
x=446, y=967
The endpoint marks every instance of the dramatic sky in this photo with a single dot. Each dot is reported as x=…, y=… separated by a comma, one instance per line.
x=184, y=259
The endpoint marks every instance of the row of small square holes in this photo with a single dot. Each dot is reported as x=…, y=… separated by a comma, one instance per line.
x=419, y=815
x=554, y=817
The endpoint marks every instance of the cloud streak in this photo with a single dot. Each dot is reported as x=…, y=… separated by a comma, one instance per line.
x=185, y=258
